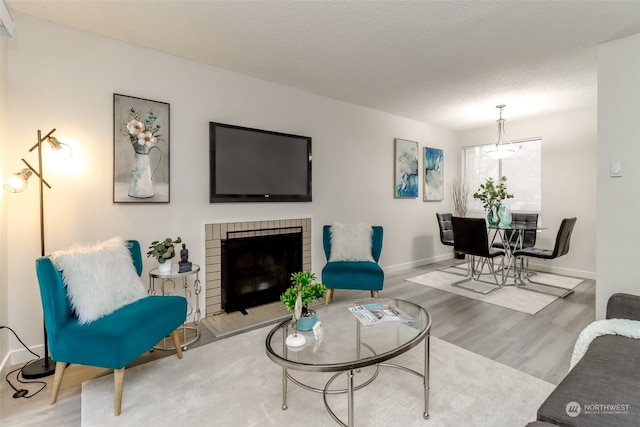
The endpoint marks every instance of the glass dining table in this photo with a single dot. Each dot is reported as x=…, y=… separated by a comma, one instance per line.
x=511, y=238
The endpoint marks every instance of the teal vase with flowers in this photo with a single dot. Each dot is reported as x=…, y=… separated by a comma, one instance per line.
x=491, y=196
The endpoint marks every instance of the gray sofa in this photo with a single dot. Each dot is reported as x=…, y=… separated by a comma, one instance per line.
x=603, y=389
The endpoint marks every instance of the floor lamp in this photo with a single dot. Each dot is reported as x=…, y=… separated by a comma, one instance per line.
x=16, y=183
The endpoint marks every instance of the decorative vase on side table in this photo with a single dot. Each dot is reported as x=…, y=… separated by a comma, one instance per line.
x=164, y=267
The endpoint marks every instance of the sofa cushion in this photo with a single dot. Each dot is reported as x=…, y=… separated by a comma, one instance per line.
x=353, y=275
x=605, y=384
x=100, y=278
x=351, y=242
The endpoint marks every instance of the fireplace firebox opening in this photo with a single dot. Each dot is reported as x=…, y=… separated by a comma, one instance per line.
x=257, y=266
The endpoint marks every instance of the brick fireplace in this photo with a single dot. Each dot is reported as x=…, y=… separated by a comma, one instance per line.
x=216, y=233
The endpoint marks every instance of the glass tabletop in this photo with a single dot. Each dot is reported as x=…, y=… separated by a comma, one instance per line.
x=524, y=227
x=155, y=273
x=338, y=349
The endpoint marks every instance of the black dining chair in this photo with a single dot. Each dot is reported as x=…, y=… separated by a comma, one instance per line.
x=560, y=248
x=446, y=238
x=470, y=237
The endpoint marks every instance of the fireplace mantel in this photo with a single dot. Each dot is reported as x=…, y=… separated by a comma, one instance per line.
x=215, y=233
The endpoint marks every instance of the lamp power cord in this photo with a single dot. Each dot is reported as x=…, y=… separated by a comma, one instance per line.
x=22, y=392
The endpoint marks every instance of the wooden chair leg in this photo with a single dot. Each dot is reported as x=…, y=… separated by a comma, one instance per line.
x=176, y=343
x=118, y=380
x=375, y=294
x=57, y=380
x=328, y=296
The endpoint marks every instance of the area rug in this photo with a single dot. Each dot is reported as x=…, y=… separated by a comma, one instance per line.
x=232, y=382
x=510, y=297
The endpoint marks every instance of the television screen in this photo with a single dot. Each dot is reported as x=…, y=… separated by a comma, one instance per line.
x=251, y=165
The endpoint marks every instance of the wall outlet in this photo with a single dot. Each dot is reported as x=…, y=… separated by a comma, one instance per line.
x=615, y=169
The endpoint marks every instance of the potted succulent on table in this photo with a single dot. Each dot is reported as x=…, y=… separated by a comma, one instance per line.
x=305, y=289
x=163, y=251
x=491, y=195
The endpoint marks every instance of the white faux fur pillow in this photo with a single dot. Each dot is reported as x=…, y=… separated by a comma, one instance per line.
x=351, y=242
x=99, y=278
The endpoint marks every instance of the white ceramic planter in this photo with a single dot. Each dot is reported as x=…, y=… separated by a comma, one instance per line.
x=165, y=267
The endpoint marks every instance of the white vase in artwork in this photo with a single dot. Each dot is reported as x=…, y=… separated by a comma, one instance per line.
x=141, y=184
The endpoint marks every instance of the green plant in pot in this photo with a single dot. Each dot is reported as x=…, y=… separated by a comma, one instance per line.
x=163, y=251
x=303, y=283
x=491, y=195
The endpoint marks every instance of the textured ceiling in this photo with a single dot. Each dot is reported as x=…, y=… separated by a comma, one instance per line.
x=447, y=63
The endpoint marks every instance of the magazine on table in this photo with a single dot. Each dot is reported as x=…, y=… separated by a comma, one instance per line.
x=379, y=313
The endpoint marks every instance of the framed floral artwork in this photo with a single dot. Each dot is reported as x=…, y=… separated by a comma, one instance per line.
x=406, y=169
x=140, y=150
x=433, y=174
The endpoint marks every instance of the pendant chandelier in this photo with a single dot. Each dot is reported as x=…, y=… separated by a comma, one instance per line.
x=502, y=146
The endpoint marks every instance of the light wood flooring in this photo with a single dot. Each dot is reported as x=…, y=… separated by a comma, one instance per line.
x=539, y=345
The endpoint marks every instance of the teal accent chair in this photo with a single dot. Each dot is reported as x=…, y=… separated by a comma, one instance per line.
x=112, y=341
x=359, y=275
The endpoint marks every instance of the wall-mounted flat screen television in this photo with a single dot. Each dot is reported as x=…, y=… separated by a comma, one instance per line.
x=252, y=165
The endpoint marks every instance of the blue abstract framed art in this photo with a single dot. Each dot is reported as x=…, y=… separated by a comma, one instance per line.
x=406, y=169
x=433, y=174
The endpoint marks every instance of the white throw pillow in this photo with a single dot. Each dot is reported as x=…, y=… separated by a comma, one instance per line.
x=351, y=242
x=99, y=278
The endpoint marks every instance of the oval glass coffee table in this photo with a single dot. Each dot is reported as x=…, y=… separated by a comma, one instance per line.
x=347, y=345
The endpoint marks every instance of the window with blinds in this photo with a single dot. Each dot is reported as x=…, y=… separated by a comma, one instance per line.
x=523, y=171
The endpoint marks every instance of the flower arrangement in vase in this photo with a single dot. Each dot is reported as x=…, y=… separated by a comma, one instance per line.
x=163, y=251
x=306, y=289
x=491, y=196
x=144, y=134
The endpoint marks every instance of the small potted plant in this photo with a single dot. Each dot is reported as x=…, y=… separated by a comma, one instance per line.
x=163, y=251
x=491, y=195
x=303, y=284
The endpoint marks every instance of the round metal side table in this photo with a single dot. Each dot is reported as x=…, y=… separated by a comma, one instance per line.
x=185, y=284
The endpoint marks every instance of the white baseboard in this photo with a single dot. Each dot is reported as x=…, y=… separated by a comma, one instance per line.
x=417, y=263
x=545, y=268
x=5, y=365
x=20, y=356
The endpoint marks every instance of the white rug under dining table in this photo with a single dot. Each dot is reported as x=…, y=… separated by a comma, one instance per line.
x=510, y=297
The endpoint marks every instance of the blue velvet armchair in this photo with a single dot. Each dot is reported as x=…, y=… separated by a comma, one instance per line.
x=358, y=275
x=112, y=341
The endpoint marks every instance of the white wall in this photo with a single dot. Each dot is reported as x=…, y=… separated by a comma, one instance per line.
x=568, y=182
x=63, y=78
x=618, y=140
